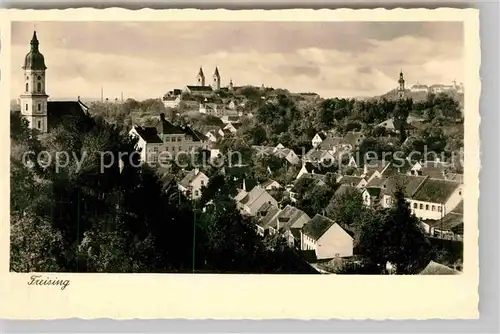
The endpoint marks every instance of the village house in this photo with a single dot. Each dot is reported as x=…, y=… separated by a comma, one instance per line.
x=435, y=169
x=265, y=214
x=317, y=139
x=232, y=127
x=335, y=145
x=354, y=139
x=311, y=168
x=287, y=154
x=327, y=238
x=172, y=99
x=288, y=223
x=192, y=183
x=250, y=202
x=436, y=198
x=149, y=144
x=418, y=88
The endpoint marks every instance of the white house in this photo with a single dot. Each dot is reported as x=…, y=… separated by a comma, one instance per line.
x=326, y=238
x=371, y=196
x=436, y=198
x=172, y=102
x=317, y=139
x=250, y=202
x=193, y=182
x=149, y=143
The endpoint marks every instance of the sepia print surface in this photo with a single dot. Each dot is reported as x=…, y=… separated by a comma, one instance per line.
x=197, y=143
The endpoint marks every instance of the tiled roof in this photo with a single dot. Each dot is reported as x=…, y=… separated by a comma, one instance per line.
x=433, y=169
x=200, y=88
x=190, y=176
x=329, y=143
x=410, y=184
x=376, y=165
x=167, y=128
x=317, y=226
x=148, y=134
x=435, y=191
x=267, y=183
x=350, y=180
x=397, y=167
x=267, y=216
x=57, y=111
x=287, y=218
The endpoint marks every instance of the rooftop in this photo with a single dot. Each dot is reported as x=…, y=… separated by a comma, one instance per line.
x=317, y=226
x=435, y=191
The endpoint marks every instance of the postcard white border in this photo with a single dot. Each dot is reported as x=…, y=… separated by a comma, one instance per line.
x=168, y=296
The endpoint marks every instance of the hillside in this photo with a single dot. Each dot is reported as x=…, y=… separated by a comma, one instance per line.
x=419, y=96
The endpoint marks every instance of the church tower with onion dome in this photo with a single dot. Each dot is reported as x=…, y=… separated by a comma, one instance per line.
x=34, y=99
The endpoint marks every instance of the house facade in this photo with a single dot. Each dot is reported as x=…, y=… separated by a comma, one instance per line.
x=327, y=238
x=192, y=183
x=149, y=144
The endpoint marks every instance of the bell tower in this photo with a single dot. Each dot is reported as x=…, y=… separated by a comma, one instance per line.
x=201, y=77
x=216, y=81
x=401, y=88
x=34, y=100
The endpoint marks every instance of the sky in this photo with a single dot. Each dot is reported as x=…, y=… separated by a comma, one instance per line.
x=147, y=59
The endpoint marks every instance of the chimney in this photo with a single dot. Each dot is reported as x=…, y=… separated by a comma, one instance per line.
x=244, y=185
x=78, y=98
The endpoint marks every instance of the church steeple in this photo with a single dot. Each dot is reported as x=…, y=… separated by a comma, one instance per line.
x=34, y=100
x=201, y=77
x=216, y=77
x=401, y=88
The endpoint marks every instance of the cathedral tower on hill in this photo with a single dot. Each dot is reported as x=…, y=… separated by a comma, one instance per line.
x=201, y=77
x=216, y=80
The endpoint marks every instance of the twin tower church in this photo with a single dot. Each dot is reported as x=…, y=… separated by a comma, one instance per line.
x=42, y=114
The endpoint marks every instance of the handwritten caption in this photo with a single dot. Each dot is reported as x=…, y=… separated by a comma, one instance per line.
x=37, y=280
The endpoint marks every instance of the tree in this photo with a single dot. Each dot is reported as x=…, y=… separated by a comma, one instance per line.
x=35, y=245
x=347, y=209
x=394, y=235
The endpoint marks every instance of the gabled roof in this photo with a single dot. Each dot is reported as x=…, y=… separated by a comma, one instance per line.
x=268, y=183
x=287, y=218
x=316, y=154
x=266, y=213
x=411, y=184
x=148, y=134
x=196, y=135
x=350, y=180
x=435, y=191
x=320, y=135
x=57, y=111
x=317, y=226
x=167, y=128
x=376, y=165
x=397, y=167
x=433, y=169
x=190, y=176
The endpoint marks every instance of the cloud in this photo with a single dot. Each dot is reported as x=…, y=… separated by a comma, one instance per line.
x=147, y=59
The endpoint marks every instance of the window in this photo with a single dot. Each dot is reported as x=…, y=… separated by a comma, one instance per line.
x=167, y=138
x=27, y=87
x=439, y=208
x=421, y=206
x=427, y=207
x=155, y=149
x=179, y=139
x=39, y=124
x=173, y=149
x=202, y=183
x=415, y=205
x=460, y=192
x=180, y=148
x=39, y=107
x=39, y=78
x=433, y=208
x=196, y=193
x=26, y=108
x=39, y=87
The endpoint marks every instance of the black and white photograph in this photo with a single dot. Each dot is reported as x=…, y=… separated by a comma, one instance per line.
x=316, y=148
